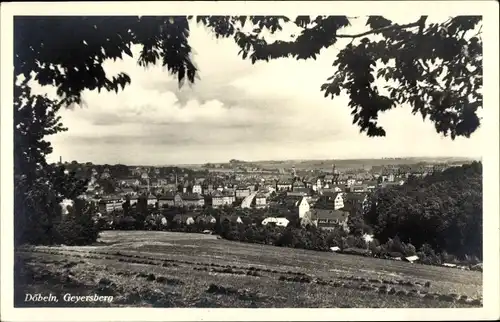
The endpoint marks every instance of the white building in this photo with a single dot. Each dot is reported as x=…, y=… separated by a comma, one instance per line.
x=338, y=201
x=319, y=184
x=304, y=207
x=278, y=221
x=351, y=182
x=197, y=188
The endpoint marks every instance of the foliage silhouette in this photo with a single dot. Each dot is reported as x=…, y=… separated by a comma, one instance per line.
x=435, y=68
x=38, y=186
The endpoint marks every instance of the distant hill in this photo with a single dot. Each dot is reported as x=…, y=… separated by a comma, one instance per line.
x=328, y=163
x=342, y=163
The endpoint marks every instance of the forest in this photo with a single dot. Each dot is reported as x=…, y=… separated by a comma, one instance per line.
x=443, y=210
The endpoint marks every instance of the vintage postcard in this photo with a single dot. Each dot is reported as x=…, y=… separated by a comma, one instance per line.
x=262, y=161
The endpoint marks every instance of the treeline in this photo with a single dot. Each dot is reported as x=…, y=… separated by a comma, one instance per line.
x=442, y=211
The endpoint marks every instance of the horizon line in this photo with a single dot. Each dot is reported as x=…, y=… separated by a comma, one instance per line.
x=289, y=160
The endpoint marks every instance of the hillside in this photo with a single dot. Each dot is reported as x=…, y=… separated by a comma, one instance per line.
x=165, y=269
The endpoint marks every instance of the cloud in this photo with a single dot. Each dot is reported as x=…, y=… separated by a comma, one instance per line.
x=271, y=110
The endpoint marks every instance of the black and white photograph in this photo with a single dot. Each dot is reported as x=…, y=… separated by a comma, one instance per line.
x=250, y=155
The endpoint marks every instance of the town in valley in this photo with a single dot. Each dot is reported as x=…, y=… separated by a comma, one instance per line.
x=229, y=161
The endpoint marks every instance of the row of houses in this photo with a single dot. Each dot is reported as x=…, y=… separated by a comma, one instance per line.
x=325, y=211
x=191, y=200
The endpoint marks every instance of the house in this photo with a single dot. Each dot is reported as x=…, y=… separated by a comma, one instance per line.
x=303, y=206
x=283, y=186
x=319, y=184
x=152, y=200
x=192, y=200
x=357, y=188
x=283, y=222
x=359, y=198
x=187, y=219
x=110, y=204
x=351, y=182
x=216, y=199
x=297, y=184
x=298, y=192
x=329, y=219
x=133, y=200
x=197, y=189
x=162, y=182
x=260, y=201
x=170, y=199
x=228, y=198
x=242, y=192
x=219, y=199
x=333, y=200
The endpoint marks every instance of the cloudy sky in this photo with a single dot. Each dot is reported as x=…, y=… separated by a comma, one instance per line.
x=237, y=110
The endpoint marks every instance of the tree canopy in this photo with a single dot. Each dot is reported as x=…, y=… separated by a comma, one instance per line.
x=443, y=210
x=435, y=68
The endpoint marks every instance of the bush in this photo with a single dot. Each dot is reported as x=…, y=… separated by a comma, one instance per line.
x=77, y=227
x=410, y=250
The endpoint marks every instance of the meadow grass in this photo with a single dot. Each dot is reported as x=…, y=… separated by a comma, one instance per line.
x=166, y=269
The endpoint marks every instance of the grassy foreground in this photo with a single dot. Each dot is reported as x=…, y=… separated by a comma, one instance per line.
x=166, y=269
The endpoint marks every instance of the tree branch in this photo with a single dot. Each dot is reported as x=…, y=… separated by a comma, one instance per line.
x=378, y=30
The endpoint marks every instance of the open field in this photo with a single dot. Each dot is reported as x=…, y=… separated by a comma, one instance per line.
x=166, y=269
